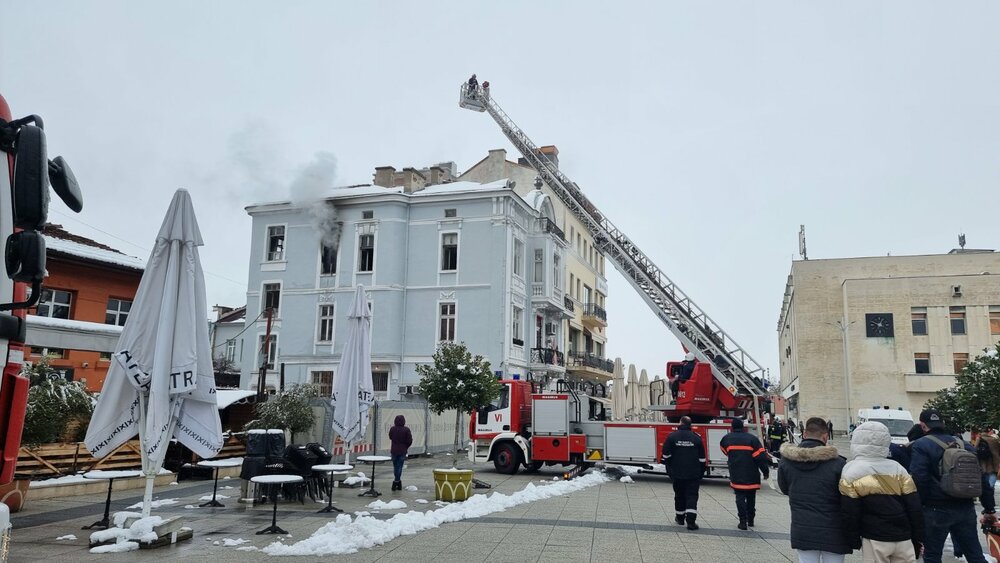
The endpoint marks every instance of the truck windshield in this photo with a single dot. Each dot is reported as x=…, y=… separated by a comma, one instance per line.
x=897, y=427
x=503, y=401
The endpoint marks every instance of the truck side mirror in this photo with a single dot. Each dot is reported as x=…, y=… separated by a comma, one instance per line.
x=24, y=257
x=64, y=184
x=31, y=179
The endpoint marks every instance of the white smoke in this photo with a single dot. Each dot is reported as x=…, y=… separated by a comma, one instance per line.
x=310, y=187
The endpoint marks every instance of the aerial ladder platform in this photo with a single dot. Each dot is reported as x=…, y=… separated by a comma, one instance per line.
x=697, y=332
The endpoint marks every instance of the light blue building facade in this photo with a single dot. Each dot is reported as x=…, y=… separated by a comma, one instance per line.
x=464, y=262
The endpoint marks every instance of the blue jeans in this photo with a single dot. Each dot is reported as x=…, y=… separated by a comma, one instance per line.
x=397, y=466
x=958, y=520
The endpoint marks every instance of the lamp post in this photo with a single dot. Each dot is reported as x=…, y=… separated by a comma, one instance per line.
x=847, y=368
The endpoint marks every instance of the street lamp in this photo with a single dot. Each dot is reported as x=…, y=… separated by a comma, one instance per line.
x=843, y=328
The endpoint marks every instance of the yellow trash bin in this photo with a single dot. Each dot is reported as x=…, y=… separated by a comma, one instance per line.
x=452, y=485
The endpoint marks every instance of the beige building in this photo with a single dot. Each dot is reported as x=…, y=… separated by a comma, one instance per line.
x=859, y=332
x=585, y=340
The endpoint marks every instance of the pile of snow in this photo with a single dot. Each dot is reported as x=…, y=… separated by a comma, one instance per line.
x=209, y=497
x=69, y=537
x=126, y=539
x=626, y=479
x=359, y=479
x=156, y=503
x=391, y=505
x=190, y=506
x=411, y=487
x=174, y=483
x=229, y=542
x=345, y=535
x=626, y=469
x=421, y=501
x=246, y=548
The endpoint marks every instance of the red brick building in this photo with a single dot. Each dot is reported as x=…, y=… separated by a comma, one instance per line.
x=85, y=301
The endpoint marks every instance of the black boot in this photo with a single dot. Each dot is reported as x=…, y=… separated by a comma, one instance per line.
x=743, y=524
x=690, y=521
x=396, y=486
x=750, y=521
x=679, y=519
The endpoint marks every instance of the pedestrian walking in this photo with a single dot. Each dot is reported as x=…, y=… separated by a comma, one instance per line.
x=988, y=452
x=829, y=428
x=901, y=452
x=948, y=477
x=809, y=474
x=747, y=461
x=684, y=458
x=776, y=436
x=401, y=439
x=790, y=431
x=881, y=508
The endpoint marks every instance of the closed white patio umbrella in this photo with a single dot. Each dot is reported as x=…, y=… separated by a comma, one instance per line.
x=644, y=394
x=619, y=396
x=633, y=408
x=353, y=391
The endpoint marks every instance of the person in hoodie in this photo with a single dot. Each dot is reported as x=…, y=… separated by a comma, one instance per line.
x=809, y=473
x=401, y=439
x=881, y=508
x=747, y=460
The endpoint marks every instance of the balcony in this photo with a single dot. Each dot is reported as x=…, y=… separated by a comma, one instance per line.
x=594, y=316
x=547, y=357
x=927, y=383
x=591, y=365
x=547, y=225
x=549, y=298
x=568, y=301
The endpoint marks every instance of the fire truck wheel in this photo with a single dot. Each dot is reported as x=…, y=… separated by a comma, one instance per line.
x=533, y=466
x=507, y=458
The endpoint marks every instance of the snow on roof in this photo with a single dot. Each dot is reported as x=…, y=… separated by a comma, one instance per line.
x=226, y=397
x=78, y=326
x=93, y=253
x=461, y=187
x=367, y=190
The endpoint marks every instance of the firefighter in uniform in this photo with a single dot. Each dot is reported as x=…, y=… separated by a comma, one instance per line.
x=747, y=462
x=684, y=457
x=775, y=436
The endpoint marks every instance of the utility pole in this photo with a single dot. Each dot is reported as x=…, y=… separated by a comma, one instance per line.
x=264, y=354
x=847, y=371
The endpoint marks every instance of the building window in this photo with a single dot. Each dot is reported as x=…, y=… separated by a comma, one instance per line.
x=324, y=381
x=272, y=296
x=117, y=312
x=518, y=257
x=515, y=326
x=272, y=349
x=450, y=212
x=539, y=265
x=55, y=303
x=230, y=350
x=922, y=362
x=447, y=323
x=994, y=319
x=957, y=315
x=366, y=253
x=556, y=282
x=104, y=356
x=586, y=295
x=918, y=318
x=380, y=381
x=325, y=329
x=449, y=251
x=275, y=243
x=367, y=214
x=328, y=260
x=51, y=353
x=960, y=361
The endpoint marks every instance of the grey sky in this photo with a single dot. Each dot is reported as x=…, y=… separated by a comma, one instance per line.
x=707, y=131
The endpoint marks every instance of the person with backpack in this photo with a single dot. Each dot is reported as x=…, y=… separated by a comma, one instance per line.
x=747, y=460
x=947, y=474
x=880, y=505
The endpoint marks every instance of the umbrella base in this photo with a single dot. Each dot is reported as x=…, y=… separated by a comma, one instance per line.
x=370, y=493
x=272, y=530
x=213, y=503
x=99, y=524
x=327, y=509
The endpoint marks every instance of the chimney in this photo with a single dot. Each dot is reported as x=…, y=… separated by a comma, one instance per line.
x=436, y=175
x=221, y=310
x=413, y=180
x=383, y=176
x=497, y=155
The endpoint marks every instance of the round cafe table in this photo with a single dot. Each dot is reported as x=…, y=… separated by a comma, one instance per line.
x=272, y=480
x=217, y=464
x=373, y=459
x=110, y=477
x=330, y=470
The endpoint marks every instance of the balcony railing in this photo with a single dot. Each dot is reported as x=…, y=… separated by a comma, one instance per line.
x=549, y=226
x=568, y=302
x=591, y=361
x=547, y=356
x=595, y=310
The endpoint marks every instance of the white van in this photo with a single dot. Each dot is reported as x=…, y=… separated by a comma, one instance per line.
x=898, y=421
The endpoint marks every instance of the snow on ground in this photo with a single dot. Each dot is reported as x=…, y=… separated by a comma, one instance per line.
x=626, y=479
x=626, y=469
x=411, y=487
x=69, y=537
x=229, y=542
x=347, y=535
x=391, y=505
x=209, y=497
x=157, y=503
x=227, y=488
x=421, y=501
x=126, y=539
x=190, y=506
x=359, y=479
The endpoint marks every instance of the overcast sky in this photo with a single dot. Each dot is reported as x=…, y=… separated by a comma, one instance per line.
x=706, y=131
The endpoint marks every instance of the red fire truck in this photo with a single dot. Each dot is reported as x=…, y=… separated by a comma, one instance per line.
x=25, y=177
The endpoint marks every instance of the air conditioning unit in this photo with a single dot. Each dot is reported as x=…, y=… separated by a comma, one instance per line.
x=407, y=389
x=550, y=329
x=956, y=291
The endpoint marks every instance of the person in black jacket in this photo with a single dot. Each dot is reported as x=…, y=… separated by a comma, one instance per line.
x=684, y=458
x=747, y=461
x=809, y=474
x=881, y=508
x=776, y=436
x=900, y=453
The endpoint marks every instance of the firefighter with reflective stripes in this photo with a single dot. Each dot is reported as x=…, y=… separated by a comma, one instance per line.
x=684, y=458
x=747, y=462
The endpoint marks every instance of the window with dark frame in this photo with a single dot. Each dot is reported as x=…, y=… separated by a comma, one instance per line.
x=55, y=303
x=918, y=319
x=922, y=362
x=272, y=296
x=960, y=361
x=540, y=265
x=367, y=214
x=518, y=258
x=450, y=212
x=516, y=332
x=272, y=349
x=328, y=260
x=276, y=243
x=231, y=350
x=326, y=320
x=994, y=319
x=324, y=381
x=957, y=317
x=366, y=253
x=380, y=381
x=117, y=312
x=449, y=251
x=446, y=332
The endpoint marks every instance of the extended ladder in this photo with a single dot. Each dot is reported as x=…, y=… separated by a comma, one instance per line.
x=698, y=333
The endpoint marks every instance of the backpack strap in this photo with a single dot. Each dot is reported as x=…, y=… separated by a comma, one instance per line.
x=940, y=442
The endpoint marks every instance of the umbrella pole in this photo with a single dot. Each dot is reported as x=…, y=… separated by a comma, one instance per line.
x=147, y=498
x=347, y=454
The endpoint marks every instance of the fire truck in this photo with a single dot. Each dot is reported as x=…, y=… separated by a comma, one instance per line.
x=534, y=423
x=25, y=177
